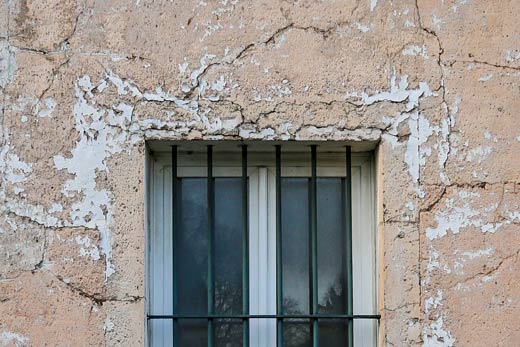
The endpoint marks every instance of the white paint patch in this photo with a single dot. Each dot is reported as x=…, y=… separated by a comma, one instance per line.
x=7, y=63
x=478, y=154
x=485, y=78
x=398, y=93
x=409, y=24
x=7, y=338
x=512, y=55
x=363, y=28
x=434, y=335
x=14, y=171
x=88, y=248
x=436, y=21
x=433, y=302
x=99, y=139
x=414, y=50
x=108, y=326
x=466, y=211
x=50, y=105
x=477, y=254
x=373, y=4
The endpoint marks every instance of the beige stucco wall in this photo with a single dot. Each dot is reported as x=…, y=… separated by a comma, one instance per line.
x=83, y=85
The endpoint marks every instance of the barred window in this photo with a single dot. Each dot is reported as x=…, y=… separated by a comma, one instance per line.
x=261, y=245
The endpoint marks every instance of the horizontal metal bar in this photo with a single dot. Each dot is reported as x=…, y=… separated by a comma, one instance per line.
x=268, y=316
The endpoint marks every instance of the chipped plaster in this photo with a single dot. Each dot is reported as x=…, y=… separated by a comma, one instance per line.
x=80, y=100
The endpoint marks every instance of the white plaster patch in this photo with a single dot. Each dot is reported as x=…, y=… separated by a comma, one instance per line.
x=466, y=211
x=100, y=138
x=512, y=55
x=50, y=105
x=8, y=337
x=479, y=154
x=362, y=27
x=14, y=171
x=485, y=78
x=434, y=335
x=415, y=50
x=373, y=4
x=433, y=302
x=88, y=248
x=108, y=326
x=436, y=21
x=399, y=92
x=8, y=65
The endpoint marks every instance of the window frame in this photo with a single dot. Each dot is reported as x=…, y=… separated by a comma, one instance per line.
x=295, y=165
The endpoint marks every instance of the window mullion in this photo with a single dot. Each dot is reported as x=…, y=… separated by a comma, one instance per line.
x=279, y=286
x=314, y=249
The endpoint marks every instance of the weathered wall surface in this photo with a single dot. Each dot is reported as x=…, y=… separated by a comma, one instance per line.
x=83, y=85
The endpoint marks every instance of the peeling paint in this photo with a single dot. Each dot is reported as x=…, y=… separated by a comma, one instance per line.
x=414, y=50
x=8, y=337
x=8, y=65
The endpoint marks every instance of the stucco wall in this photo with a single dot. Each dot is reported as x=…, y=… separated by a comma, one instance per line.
x=83, y=85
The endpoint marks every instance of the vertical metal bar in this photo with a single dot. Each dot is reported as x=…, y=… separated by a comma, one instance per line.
x=314, y=248
x=279, y=277
x=245, y=248
x=211, y=219
x=348, y=251
x=174, y=220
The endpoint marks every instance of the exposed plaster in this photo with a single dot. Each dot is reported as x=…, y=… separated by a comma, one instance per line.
x=8, y=337
x=8, y=65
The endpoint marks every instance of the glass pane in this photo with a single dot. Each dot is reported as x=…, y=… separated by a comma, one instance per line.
x=297, y=333
x=192, y=332
x=228, y=246
x=331, y=247
x=228, y=259
x=295, y=258
x=332, y=298
x=228, y=333
x=191, y=247
x=333, y=333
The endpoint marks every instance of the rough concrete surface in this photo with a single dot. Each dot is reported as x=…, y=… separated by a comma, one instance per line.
x=83, y=85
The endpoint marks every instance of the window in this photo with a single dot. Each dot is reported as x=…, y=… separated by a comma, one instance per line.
x=259, y=246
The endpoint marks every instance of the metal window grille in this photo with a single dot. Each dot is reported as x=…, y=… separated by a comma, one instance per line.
x=314, y=316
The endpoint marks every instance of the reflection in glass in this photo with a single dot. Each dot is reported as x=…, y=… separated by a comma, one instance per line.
x=191, y=259
x=228, y=259
x=295, y=258
x=332, y=294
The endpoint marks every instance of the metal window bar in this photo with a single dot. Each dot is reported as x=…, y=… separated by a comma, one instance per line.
x=314, y=316
x=314, y=250
x=279, y=277
x=211, y=221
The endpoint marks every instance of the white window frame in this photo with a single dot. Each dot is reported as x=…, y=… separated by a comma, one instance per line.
x=262, y=230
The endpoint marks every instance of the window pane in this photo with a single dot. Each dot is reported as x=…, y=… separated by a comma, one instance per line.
x=228, y=246
x=228, y=259
x=192, y=332
x=228, y=333
x=191, y=260
x=331, y=247
x=191, y=247
x=295, y=258
x=332, y=292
